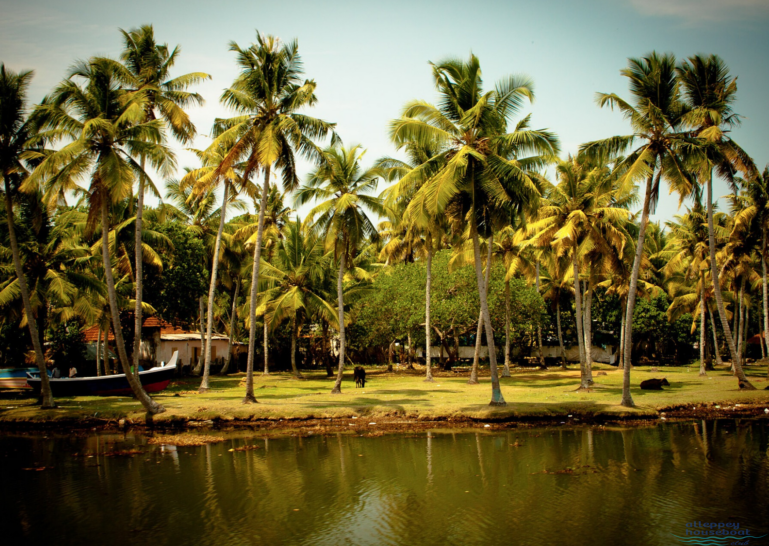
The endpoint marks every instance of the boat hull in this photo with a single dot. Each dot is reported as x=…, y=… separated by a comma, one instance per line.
x=15, y=378
x=154, y=380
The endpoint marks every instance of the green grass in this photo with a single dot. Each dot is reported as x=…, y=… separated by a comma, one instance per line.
x=404, y=395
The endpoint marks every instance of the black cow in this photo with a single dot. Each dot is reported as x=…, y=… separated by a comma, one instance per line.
x=654, y=384
x=360, y=376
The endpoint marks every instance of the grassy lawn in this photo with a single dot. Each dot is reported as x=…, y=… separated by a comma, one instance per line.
x=404, y=395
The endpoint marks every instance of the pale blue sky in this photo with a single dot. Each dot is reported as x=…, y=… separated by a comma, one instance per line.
x=370, y=58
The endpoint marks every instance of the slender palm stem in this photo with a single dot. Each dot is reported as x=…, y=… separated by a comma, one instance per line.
x=149, y=404
x=250, y=398
x=212, y=289
x=428, y=286
x=233, y=316
x=580, y=331
x=340, y=302
x=46, y=396
x=139, y=272
x=743, y=381
x=702, y=323
x=627, y=399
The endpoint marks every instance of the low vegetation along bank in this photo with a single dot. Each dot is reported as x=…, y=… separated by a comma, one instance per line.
x=403, y=400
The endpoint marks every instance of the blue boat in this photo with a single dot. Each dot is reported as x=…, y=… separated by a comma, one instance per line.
x=15, y=378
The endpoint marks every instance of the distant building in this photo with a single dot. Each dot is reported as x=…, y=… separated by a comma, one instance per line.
x=159, y=341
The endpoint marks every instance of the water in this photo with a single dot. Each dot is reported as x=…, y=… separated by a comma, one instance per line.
x=616, y=486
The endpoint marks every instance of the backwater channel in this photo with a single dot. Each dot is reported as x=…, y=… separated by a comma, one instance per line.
x=551, y=485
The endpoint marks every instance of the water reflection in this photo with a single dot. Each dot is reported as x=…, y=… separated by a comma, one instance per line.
x=541, y=486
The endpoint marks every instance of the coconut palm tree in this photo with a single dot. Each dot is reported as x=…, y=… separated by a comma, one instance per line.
x=300, y=265
x=584, y=217
x=342, y=185
x=14, y=136
x=656, y=116
x=710, y=92
x=686, y=254
x=146, y=71
x=481, y=166
x=267, y=96
x=109, y=134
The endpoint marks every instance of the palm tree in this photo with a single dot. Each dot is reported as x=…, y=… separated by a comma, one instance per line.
x=14, y=135
x=710, y=91
x=584, y=217
x=656, y=118
x=481, y=167
x=205, y=182
x=341, y=185
x=298, y=274
x=147, y=72
x=418, y=229
x=267, y=95
x=687, y=253
x=109, y=132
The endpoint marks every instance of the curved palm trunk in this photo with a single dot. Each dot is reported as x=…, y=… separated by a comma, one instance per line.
x=198, y=369
x=627, y=399
x=740, y=323
x=719, y=361
x=506, y=369
x=743, y=381
x=233, y=316
x=496, y=393
x=539, y=326
x=621, y=364
x=105, y=352
x=580, y=331
x=587, y=328
x=765, y=293
x=46, y=396
x=212, y=291
x=340, y=302
x=139, y=271
x=266, y=347
x=479, y=333
x=702, y=324
x=98, y=356
x=149, y=404
x=560, y=335
x=294, y=335
x=428, y=287
x=250, y=398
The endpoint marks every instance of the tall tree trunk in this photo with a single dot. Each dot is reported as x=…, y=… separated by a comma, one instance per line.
x=716, y=349
x=233, y=317
x=266, y=349
x=149, y=404
x=46, y=396
x=765, y=292
x=105, y=352
x=588, y=327
x=212, y=289
x=340, y=303
x=743, y=381
x=506, y=370
x=428, y=292
x=496, y=393
x=139, y=271
x=627, y=399
x=250, y=398
x=410, y=352
x=98, y=348
x=703, y=334
x=294, y=335
x=198, y=369
x=579, y=320
x=621, y=363
x=479, y=334
x=744, y=345
x=539, y=326
x=473, y=380
x=558, y=326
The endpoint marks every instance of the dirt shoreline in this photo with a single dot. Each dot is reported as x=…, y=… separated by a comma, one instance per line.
x=368, y=424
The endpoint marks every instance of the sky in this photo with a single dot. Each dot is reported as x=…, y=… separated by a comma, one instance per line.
x=370, y=58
